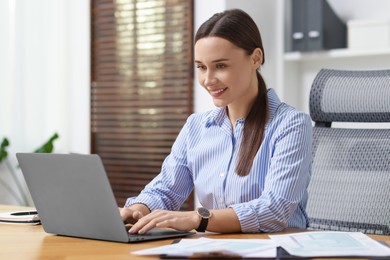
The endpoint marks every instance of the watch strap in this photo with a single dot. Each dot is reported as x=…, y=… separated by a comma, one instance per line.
x=203, y=225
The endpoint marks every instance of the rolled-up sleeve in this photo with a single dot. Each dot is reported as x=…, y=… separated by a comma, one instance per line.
x=171, y=187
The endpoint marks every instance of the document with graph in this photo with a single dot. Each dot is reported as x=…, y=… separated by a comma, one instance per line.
x=331, y=244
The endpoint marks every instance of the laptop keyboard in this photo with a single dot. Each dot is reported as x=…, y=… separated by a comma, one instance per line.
x=155, y=233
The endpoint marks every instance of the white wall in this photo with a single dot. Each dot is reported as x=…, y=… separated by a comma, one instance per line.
x=204, y=9
x=44, y=76
x=361, y=9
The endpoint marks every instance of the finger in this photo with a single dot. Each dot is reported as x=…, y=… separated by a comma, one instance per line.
x=148, y=222
x=125, y=214
x=139, y=224
x=130, y=216
x=148, y=226
x=165, y=219
x=135, y=229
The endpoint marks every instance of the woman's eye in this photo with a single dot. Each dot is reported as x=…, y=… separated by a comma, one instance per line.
x=221, y=66
x=201, y=67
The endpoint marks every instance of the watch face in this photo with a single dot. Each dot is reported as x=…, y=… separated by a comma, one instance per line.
x=204, y=213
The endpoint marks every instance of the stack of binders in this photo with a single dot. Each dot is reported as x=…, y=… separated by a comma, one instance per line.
x=315, y=26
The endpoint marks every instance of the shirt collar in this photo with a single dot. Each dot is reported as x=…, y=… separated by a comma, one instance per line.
x=273, y=103
x=217, y=115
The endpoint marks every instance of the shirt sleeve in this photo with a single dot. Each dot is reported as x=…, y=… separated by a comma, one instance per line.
x=286, y=181
x=171, y=187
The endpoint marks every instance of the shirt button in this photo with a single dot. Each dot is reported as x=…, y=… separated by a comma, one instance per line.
x=221, y=174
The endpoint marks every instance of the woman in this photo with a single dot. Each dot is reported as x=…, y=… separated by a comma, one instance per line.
x=249, y=159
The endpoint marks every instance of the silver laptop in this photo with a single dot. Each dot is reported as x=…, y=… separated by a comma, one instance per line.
x=73, y=197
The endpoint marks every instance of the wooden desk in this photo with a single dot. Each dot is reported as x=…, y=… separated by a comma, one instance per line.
x=31, y=242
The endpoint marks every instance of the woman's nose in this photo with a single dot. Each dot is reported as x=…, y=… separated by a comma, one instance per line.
x=210, y=79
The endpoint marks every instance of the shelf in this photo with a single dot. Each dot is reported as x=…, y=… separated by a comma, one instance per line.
x=331, y=54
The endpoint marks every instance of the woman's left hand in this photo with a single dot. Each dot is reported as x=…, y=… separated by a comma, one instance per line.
x=179, y=220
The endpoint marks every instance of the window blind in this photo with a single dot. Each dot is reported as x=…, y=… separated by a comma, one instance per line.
x=141, y=86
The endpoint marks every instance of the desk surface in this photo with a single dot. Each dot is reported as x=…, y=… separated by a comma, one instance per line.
x=31, y=242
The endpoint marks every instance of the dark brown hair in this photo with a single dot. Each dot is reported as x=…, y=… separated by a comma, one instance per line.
x=239, y=28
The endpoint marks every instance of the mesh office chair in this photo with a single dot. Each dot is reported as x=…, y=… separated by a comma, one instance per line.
x=350, y=185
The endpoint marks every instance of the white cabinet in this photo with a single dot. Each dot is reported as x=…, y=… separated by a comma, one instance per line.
x=300, y=69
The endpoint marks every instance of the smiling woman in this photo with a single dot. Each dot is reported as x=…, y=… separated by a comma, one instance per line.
x=229, y=75
x=249, y=158
x=221, y=66
x=244, y=85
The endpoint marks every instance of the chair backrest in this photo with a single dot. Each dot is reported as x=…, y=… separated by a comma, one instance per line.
x=350, y=185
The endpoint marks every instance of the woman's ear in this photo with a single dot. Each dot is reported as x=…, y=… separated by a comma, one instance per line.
x=257, y=57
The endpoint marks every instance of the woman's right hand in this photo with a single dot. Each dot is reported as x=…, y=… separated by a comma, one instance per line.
x=133, y=213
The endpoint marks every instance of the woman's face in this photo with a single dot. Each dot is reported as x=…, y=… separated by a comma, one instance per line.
x=227, y=72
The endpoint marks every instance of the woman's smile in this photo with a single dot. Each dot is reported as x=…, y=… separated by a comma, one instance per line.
x=217, y=92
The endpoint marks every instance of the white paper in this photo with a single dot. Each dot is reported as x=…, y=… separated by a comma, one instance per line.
x=241, y=247
x=330, y=244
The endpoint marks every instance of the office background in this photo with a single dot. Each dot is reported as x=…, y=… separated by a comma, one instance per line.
x=45, y=65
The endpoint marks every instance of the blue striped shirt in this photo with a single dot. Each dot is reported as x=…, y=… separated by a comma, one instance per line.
x=270, y=198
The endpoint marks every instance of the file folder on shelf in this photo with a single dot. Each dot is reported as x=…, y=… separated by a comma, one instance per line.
x=315, y=26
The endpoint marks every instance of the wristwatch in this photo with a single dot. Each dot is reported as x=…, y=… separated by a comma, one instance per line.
x=205, y=214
